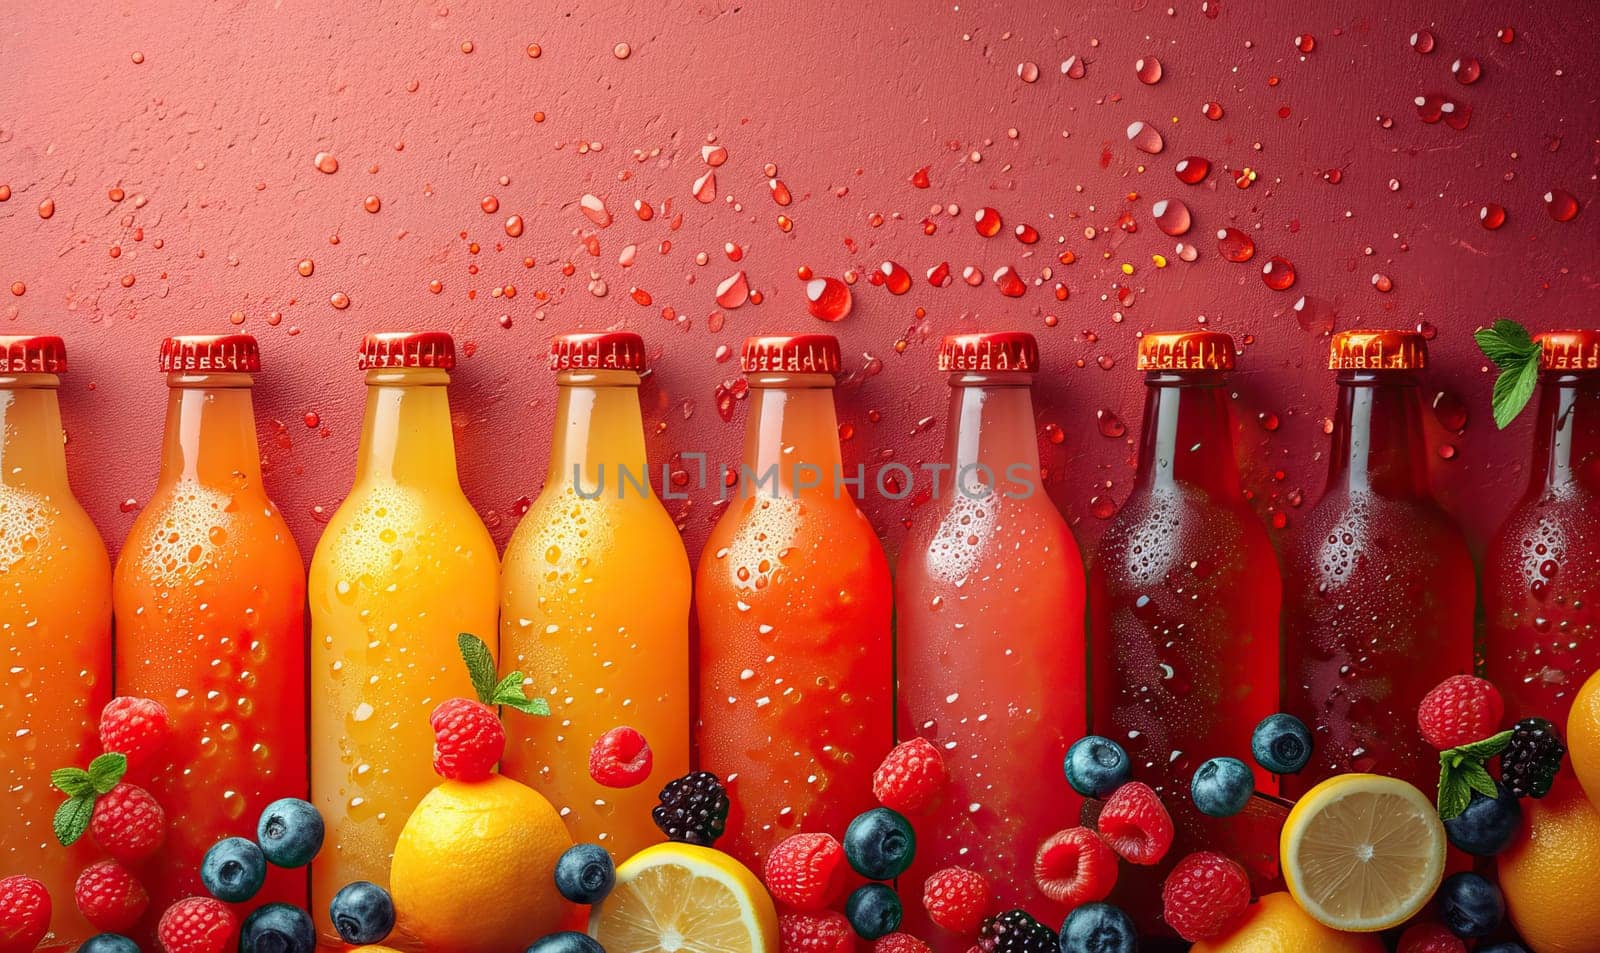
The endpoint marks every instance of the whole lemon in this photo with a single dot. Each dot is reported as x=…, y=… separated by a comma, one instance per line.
x=473, y=869
x=1276, y=924
x=1583, y=737
x=1550, y=876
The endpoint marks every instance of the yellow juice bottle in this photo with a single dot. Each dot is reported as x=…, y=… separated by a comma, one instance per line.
x=55, y=629
x=404, y=565
x=594, y=604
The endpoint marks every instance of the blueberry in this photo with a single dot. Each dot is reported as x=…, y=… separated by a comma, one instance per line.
x=585, y=874
x=1472, y=906
x=567, y=941
x=362, y=912
x=1096, y=766
x=879, y=844
x=874, y=911
x=1222, y=787
x=1486, y=827
x=1098, y=928
x=277, y=928
x=233, y=870
x=108, y=943
x=1506, y=947
x=290, y=832
x=1281, y=744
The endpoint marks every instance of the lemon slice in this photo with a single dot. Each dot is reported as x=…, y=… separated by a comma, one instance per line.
x=683, y=898
x=1362, y=852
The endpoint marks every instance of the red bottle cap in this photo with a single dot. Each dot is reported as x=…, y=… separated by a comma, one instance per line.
x=1577, y=350
x=791, y=354
x=222, y=353
x=605, y=351
x=1186, y=351
x=1378, y=351
x=407, y=349
x=989, y=351
x=32, y=354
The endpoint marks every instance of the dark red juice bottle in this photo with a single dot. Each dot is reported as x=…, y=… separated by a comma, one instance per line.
x=1183, y=605
x=1378, y=582
x=1541, y=587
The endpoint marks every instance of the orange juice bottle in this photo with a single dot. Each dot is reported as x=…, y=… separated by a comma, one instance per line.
x=404, y=565
x=209, y=596
x=55, y=624
x=594, y=602
x=796, y=695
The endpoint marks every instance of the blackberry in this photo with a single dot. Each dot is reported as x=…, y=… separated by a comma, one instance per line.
x=1015, y=931
x=1529, y=764
x=693, y=809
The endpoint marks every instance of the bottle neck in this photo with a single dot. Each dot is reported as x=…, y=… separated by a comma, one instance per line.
x=406, y=437
x=1566, y=449
x=791, y=440
x=211, y=432
x=599, y=433
x=1378, y=444
x=991, y=437
x=1188, y=435
x=32, y=444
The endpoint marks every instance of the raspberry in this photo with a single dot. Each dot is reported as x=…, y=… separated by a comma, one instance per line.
x=1136, y=824
x=1205, y=895
x=1460, y=710
x=468, y=739
x=1430, y=938
x=803, y=871
x=1016, y=932
x=110, y=897
x=1075, y=867
x=910, y=776
x=197, y=925
x=1532, y=758
x=693, y=809
x=900, y=943
x=24, y=913
x=956, y=899
x=136, y=728
x=826, y=931
x=127, y=823
x=620, y=758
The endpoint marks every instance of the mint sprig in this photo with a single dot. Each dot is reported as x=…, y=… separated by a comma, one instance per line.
x=1462, y=771
x=82, y=788
x=491, y=688
x=1509, y=347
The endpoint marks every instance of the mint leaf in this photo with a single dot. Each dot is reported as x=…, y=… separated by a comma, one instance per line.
x=1486, y=748
x=72, y=819
x=106, y=770
x=1478, y=779
x=480, y=666
x=511, y=694
x=1461, y=772
x=73, y=782
x=1512, y=389
x=1454, y=796
x=1506, y=343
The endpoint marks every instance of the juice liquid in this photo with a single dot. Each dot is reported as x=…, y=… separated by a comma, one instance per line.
x=403, y=567
x=990, y=646
x=1378, y=581
x=594, y=603
x=795, y=704
x=1183, y=604
x=1541, y=588
x=55, y=623
x=210, y=611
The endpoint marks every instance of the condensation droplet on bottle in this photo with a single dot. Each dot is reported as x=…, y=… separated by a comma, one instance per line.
x=1028, y=72
x=1313, y=315
x=1148, y=69
x=1450, y=411
x=895, y=277
x=1073, y=67
x=1145, y=138
x=1186, y=252
x=1383, y=283
x=1172, y=216
x=594, y=209
x=987, y=221
x=1211, y=109
x=1561, y=205
x=939, y=275
x=1026, y=234
x=733, y=291
x=1278, y=274
x=1467, y=70
x=713, y=155
x=1110, y=424
x=1422, y=41
x=514, y=226
x=1491, y=216
x=1305, y=43
x=705, y=188
x=326, y=163
x=1009, y=284
x=1234, y=245
x=1192, y=170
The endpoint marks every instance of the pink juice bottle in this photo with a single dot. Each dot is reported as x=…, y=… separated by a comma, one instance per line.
x=1541, y=586
x=990, y=612
x=1378, y=592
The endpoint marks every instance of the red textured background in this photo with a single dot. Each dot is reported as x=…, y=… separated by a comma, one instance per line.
x=212, y=137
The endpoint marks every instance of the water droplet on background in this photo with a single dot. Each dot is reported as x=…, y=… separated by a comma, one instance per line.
x=1192, y=170
x=1148, y=69
x=1491, y=216
x=1561, y=205
x=1278, y=274
x=1145, y=137
x=1234, y=245
x=1171, y=216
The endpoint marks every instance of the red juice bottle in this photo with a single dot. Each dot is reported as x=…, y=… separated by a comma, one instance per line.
x=990, y=644
x=1541, y=587
x=1378, y=582
x=793, y=595
x=1183, y=607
